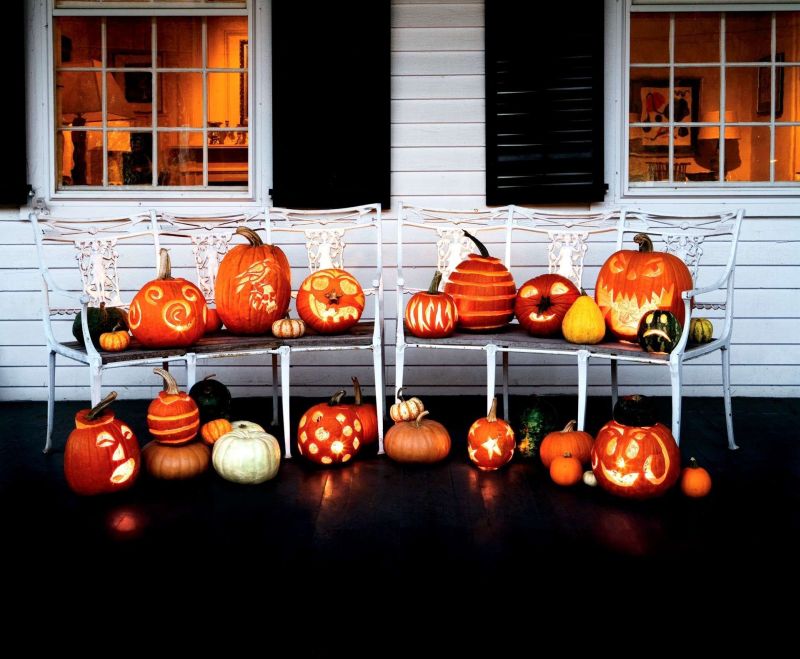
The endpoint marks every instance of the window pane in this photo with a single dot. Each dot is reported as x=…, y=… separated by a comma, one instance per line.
x=227, y=99
x=180, y=42
x=788, y=99
x=119, y=144
x=748, y=37
x=227, y=164
x=130, y=95
x=79, y=97
x=744, y=90
x=76, y=166
x=180, y=158
x=129, y=42
x=697, y=37
x=649, y=38
x=705, y=81
x=183, y=100
x=747, y=156
x=227, y=37
x=77, y=41
x=137, y=164
x=788, y=35
x=787, y=151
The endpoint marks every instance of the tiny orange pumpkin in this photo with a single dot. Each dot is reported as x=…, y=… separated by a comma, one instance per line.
x=695, y=481
x=116, y=340
x=566, y=470
x=214, y=429
x=569, y=440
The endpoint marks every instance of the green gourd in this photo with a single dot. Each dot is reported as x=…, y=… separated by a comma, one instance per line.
x=537, y=420
x=101, y=319
x=213, y=399
x=659, y=331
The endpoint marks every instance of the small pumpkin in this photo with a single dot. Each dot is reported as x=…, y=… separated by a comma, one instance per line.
x=701, y=330
x=212, y=397
x=176, y=462
x=575, y=442
x=406, y=409
x=288, y=328
x=659, y=331
x=432, y=314
x=173, y=417
x=490, y=441
x=330, y=432
x=542, y=302
x=214, y=429
x=115, y=341
x=419, y=441
x=589, y=478
x=213, y=321
x=330, y=301
x=635, y=410
x=566, y=470
x=367, y=413
x=695, y=481
x=537, y=419
x=100, y=320
x=584, y=322
x=246, y=455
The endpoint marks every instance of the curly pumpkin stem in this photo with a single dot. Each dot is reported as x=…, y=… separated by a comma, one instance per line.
x=357, y=390
x=208, y=377
x=164, y=264
x=419, y=418
x=433, y=289
x=170, y=386
x=252, y=237
x=644, y=242
x=336, y=399
x=98, y=409
x=481, y=247
x=492, y=416
x=570, y=426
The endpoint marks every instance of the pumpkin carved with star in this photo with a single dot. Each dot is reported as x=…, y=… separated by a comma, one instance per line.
x=330, y=301
x=490, y=441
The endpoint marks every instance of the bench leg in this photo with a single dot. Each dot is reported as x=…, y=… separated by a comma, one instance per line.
x=380, y=393
x=191, y=370
x=95, y=382
x=275, y=414
x=614, y=383
x=726, y=392
x=51, y=400
x=506, y=412
x=675, y=380
x=491, y=366
x=583, y=385
x=285, y=399
x=399, y=363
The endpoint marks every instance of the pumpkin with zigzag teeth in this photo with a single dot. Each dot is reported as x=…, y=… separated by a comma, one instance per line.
x=330, y=301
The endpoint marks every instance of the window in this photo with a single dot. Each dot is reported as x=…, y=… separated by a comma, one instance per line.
x=714, y=100
x=153, y=99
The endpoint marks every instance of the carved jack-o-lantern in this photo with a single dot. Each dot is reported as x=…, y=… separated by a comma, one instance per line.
x=632, y=283
x=102, y=454
x=331, y=301
x=490, y=441
x=635, y=461
x=542, y=303
x=331, y=432
x=431, y=314
x=172, y=417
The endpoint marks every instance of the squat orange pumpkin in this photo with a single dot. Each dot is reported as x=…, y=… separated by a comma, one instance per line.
x=330, y=432
x=695, y=481
x=566, y=470
x=575, y=442
x=330, y=301
x=173, y=417
x=490, y=441
x=115, y=341
x=213, y=430
x=431, y=314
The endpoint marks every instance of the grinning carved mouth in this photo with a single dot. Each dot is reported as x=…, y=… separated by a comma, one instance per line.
x=623, y=480
x=123, y=472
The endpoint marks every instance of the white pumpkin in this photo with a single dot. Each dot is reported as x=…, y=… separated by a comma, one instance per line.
x=247, y=454
x=589, y=478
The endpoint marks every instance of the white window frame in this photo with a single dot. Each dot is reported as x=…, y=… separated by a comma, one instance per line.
x=40, y=78
x=779, y=189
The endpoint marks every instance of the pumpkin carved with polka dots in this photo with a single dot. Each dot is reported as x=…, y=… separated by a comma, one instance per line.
x=330, y=433
x=330, y=301
x=490, y=441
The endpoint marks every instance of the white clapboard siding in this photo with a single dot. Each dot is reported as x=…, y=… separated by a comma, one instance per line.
x=437, y=160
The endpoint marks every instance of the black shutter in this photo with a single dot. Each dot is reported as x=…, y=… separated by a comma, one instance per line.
x=13, y=164
x=331, y=88
x=544, y=102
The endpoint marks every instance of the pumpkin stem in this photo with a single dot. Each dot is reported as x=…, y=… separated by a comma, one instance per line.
x=433, y=289
x=644, y=242
x=98, y=409
x=252, y=237
x=481, y=247
x=356, y=390
x=570, y=427
x=419, y=418
x=116, y=328
x=336, y=399
x=400, y=396
x=164, y=264
x=170, y=386
x=208, y=377
x=583, y=291
x=693, y=464
x=566, y=454
x=492, y=416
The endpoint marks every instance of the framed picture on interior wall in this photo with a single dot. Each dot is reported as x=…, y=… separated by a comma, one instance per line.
x=764, y=91
x=137, y=86
x=650, y=103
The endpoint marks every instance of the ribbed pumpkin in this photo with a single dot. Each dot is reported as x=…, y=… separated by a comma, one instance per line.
x=176, y=462
x=584, y=322
x=483, y=290
x=432, y=314
x=659, y=331
x=167, y=312
x=419, y=441
x=100, y=319
x=214, y=429
x=542, y=303
x=701, y=330
x=575, y=442
x=253, y=285
x=490, y=441
x=632, y=283
x=330, y=433
x=288, y=328
x=330, y=301
x=173, y=417
x=367, y=414
x=115, y=341
x=406, y=409
x=246, y=455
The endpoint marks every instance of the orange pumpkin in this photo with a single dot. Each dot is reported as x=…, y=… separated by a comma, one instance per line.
x=419, y=441
x=213, y=321
x=566, y=470
x=115, y=341
x=542, y=303
x=102, y=454
x=367, y=414
x=330, y=301
x=695, y=481
x=176, y=462
x=575, y=442
x=167, y=312
x=431, y=314
x=490, y=441
x=253, y=285
x=483, y=290
x=330, y=432
x=173, y=417
x=214, y=429
x=632, y=283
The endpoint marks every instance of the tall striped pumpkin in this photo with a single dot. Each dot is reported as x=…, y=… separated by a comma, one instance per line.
x=483, y=290
x=173, y=417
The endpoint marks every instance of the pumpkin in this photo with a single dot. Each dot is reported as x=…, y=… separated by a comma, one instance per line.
x=490, y=441
x=701, y=330
x=632, y=283
x=212, y=397
x=584, y=322
x=288, y=328
x=635, y=410
x=173, y=417
x=695, y=481
x=575, y=442
x=176, y=462
x=537, y=419
x=432, y=314
x=116, y=340
x=635, y=461
x=566, y=470
x=254, y=285
x=330, y=432
x=213, y=321
x=589, y=478
x=167, y=312
x=100, y=320
x=246, y=455
x=483, y=290
x=367, y=414
x=542, y=302
x=214, y=429
x=659, y=331
x=405, y=409
x=419, y=441
x=330, y=301
x=102, y=454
